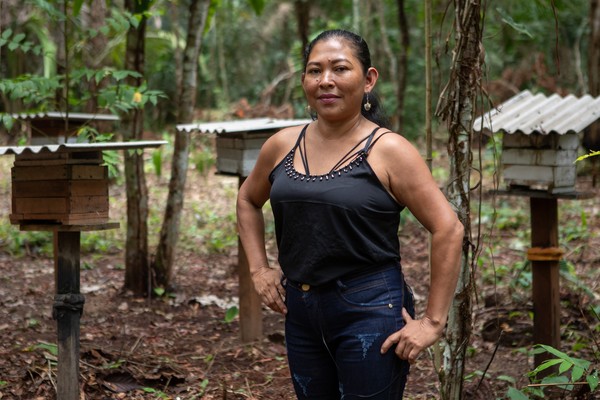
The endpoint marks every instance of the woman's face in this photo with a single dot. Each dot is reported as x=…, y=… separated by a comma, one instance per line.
x=334, y=81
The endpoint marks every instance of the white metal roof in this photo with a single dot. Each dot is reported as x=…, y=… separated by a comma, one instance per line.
x=536, y=113
x=73, y=147
x=63, y=115
x=244, y=125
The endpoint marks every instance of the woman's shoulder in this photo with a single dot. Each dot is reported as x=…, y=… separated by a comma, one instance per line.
x=280, y=143
x=393, y=144
x=283, y=140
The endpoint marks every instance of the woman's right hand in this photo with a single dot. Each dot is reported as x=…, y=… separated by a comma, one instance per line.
x=267, y=282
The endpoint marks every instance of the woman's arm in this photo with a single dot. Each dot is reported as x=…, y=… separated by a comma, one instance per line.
x=410, y=181
x=252, y=195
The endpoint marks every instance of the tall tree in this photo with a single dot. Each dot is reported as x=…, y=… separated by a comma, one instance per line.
x=457, y=107
x=591, y=136
x=162, y=265
x=402, y=62
x=136, y=247
x=302, y=8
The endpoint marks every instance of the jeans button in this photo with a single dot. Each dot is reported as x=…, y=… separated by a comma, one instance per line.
x=305, y=287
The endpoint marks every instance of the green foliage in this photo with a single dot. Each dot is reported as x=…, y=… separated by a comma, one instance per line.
x=49, y=347
x=231, y=314
x=203, y=155
x=159, y=394
x=566, y=373
x=18, y=244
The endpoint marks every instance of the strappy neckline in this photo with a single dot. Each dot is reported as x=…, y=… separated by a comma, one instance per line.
x=350, y=160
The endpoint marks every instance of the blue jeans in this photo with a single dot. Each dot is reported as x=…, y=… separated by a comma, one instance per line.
x=334, y=334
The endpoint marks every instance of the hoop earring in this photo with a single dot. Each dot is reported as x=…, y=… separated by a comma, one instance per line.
x=367, y=105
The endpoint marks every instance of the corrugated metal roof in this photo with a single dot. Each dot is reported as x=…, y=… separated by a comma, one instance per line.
x=244, y=125
x=72, y=147
x=62, y=115
x=535, y=113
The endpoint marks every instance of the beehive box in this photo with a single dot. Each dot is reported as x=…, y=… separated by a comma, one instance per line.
x=237, y=152
x=540, y=161
x=69, y=188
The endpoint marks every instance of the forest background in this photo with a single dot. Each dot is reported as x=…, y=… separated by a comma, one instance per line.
x=248, y=65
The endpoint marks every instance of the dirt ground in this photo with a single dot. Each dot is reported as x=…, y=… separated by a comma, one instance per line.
x=180, y=346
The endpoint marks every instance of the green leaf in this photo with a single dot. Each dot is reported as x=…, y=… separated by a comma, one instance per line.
x=49, y=347
x=593, y=381
x=258, y=6
x=231, y=313
x=159, y=291
x=6, y=34
x=545, y=365
x=577, y=373
x=516, y=394
x=77, y=7
x=564, y=367
x=19, y=38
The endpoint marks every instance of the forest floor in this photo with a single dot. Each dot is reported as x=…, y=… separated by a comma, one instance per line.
x=182, y=345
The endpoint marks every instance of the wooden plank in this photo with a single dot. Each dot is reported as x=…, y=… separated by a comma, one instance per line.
x=53, y=188
x=59, y=188
x=62, y=158
x=97, y=187
x=545, y=285
x=39, y=173
x=85, y=227
x=60, y=205
x=89, y=172
x=85, y=204
x=49, y=205
x=100, y=217
x=58, y=172
x=68, y=306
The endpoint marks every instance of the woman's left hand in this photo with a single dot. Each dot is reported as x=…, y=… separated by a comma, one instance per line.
x=414, y=337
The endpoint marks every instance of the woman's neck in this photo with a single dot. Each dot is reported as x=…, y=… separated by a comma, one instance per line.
x=335, y=130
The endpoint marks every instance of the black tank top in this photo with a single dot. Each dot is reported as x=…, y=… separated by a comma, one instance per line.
x=335, y=224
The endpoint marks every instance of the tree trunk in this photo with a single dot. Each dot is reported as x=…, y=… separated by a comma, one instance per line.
x=591, y=135
x=162, y=266
x=456, y=107
x=402, y=62
x=136, y=247
x=303, y=18
x=94, y=17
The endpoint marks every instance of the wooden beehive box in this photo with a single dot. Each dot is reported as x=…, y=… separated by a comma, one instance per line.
x=237, y=151
x=540, y=161
x=68, y=188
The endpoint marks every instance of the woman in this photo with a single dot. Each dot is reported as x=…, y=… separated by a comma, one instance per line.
x=337, y=186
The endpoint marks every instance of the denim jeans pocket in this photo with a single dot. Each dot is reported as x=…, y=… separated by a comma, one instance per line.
x=374, y=290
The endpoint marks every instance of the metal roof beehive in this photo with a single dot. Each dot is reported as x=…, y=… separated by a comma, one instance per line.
x=239, y=142
x=529, y=113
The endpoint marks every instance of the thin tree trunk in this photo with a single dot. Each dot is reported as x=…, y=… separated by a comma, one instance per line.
x=456, y=107
x=136, y=247
x=402, y=62
x=591, y=136
x=94, y=17
x=162, y=266
x=302, y=8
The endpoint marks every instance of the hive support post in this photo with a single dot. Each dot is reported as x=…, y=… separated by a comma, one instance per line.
x=67, y=310
x=250, y=303
x=545, y=275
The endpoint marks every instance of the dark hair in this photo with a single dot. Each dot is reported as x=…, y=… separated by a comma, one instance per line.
x=376, y=113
